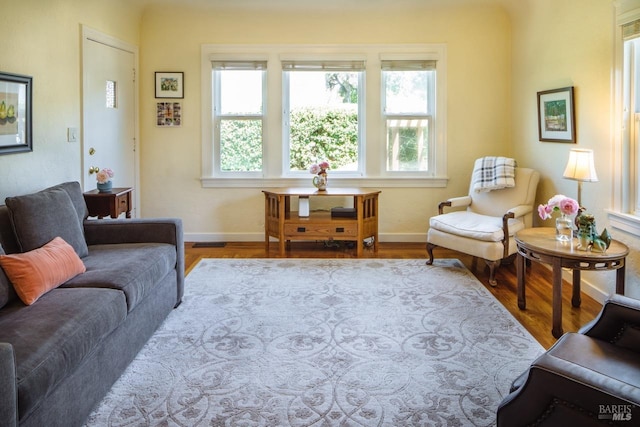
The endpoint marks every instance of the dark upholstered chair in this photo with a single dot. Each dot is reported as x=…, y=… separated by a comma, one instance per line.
x=589, y=378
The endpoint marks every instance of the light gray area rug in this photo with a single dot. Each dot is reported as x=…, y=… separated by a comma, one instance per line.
x=325, y=342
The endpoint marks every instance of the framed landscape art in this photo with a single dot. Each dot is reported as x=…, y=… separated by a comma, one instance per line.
x=15, y=113
x=556, y=115
x=169, y=84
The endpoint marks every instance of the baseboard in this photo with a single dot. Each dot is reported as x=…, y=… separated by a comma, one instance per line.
x=587, y=287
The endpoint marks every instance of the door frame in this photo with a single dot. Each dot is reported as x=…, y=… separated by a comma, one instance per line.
x=91, y=35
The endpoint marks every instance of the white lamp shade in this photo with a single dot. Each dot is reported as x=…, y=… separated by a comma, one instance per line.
x=580, y=166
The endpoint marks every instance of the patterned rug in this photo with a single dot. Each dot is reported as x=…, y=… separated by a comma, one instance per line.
x=324, y=342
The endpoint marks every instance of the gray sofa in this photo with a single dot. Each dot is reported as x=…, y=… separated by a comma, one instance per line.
x=60, y=355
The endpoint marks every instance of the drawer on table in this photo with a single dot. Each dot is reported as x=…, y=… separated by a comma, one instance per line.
x=322, y=230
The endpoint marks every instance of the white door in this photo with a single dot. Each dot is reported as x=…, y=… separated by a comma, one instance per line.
x=109, y=111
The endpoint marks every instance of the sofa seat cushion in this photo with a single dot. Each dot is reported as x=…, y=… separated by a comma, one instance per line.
x=53, y=336
x=133, y=268
x=474, y=226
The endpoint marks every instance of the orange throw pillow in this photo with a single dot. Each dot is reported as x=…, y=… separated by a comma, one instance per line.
x=36, y=272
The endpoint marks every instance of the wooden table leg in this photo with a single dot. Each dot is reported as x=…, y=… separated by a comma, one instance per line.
x=520, y=269
x=576, y=299
x=557, y=298
x=620, y=278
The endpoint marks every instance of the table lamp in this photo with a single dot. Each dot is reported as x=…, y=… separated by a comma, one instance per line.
x=580, y=168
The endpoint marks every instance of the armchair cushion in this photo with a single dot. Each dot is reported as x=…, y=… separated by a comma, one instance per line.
x=474, y=226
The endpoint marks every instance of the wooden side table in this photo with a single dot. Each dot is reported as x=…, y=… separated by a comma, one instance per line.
x=539, y=244
x=287, y=225
x=111, y=204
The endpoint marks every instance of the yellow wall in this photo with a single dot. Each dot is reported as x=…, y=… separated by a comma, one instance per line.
x=569, y=43
x=42, y=39
x=478, y=50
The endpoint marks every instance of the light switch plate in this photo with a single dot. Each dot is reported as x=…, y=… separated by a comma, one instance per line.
x=72, y=134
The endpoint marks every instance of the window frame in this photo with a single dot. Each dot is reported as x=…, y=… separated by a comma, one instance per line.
x=626, y=177
x=372, y=156
x=218, y=116
x=323, y=63
x=431, y=114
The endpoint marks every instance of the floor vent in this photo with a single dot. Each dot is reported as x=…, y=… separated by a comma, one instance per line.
x=209, y=245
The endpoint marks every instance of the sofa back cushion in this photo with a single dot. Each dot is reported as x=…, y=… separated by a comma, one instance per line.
x=40, y=217
x=7, y=236
x=7, y=293
x=74, y=190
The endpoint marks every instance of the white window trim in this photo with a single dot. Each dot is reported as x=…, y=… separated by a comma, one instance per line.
x=217, y=171
x=374, y=154
x=620, y=215
x=360, y=173
x=434, y=165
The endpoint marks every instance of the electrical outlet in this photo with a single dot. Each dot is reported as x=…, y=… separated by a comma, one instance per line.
x=72, y=134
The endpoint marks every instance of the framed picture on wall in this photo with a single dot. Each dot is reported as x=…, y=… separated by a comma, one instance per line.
x=15, y=113
x=169, y=84
x=556, y=115
x=168, y=114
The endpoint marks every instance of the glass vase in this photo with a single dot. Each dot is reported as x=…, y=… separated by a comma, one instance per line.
x=564, y=228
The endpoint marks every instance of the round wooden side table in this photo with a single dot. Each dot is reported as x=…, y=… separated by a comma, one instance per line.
x=539, y=244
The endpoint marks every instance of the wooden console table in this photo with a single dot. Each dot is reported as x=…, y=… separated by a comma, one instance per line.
x=539, y=244
x=286, y=225
x=112, y=204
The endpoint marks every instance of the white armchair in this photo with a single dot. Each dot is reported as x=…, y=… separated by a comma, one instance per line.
x=487, y=227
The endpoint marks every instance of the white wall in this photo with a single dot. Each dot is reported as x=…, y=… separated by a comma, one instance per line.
x=42, y=39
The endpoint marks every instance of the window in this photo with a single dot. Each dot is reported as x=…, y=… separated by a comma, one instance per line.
x=323, y=114
x=409, y=110
x=625, y=214
x=238, y=116
x=377, y=113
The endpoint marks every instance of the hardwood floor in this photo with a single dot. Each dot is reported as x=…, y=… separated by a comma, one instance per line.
x=536, y=318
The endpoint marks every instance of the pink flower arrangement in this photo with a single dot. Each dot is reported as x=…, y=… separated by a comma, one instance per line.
x=104, y=175
x=319, y=168
x=563, y=204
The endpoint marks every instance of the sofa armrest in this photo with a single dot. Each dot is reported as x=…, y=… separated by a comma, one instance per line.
x=8, y=386
x=568, y=384
x=140, y=230
x=617, y=323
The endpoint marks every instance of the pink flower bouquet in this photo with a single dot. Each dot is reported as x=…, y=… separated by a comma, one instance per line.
x=104, y=175
x=558, y=203
x=319, y=168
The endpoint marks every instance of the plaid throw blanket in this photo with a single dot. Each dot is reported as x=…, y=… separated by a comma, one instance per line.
x=493, y=173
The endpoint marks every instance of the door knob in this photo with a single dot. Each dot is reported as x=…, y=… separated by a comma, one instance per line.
x=93, y=169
